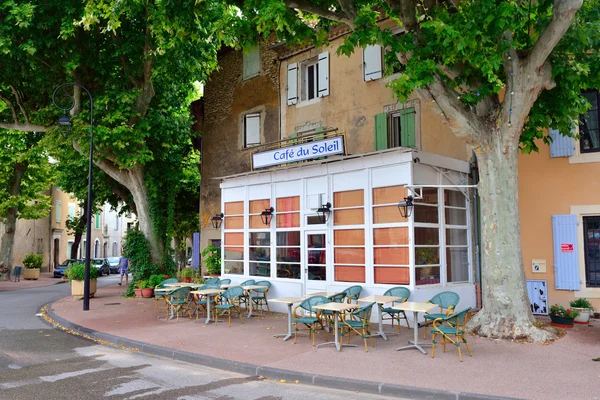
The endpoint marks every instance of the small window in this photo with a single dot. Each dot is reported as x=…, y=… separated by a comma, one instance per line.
x=589, y=127
x=71, y=210
x=97, y=220
x=396, y=129
x=310, y=77
x=115, y=249
x=57, y=212
x=251, y=130
x=251, y=64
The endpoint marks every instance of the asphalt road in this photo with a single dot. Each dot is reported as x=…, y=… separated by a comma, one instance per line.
x=37, y=361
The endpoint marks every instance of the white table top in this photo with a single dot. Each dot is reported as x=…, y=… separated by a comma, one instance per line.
x=207, y=291
x=325, y=294
x=180, y=284
x=252, y=287
x=228, y=285
x=164, y=290
x=380, y=299
x=414, y=306
x=286, y=300
x=335, y=306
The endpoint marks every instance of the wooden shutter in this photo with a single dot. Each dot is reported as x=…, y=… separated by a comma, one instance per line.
x=251, y=64
x=561, y=146
x=251, y=129
x=566, y=252
x=372, y=63
x=407, y=128
x=292, y=84
x=57, y=213
x=381, y=131
x=323, y=78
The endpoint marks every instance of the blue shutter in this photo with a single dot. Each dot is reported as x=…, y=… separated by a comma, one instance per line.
x=196, y=250
x=566, y=260
x=561, y=146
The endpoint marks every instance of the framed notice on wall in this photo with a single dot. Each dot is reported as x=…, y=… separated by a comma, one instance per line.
x=538, y=296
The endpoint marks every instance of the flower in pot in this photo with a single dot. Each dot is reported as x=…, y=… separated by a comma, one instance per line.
x=186, y=275
x=585, y=309
x=147, y=288
x=33, y=263
x=212, y=260
x=561, y=317
x=76, y=274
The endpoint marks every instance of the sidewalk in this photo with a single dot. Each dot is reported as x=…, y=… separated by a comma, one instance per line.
x=46, y=279
x=560, y=370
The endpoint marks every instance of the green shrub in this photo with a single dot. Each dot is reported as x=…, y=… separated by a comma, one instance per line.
x=581, y=303
x=76, y=272
x=212, y=259
x=186, y=273
x=33, y=260
x=155, y=280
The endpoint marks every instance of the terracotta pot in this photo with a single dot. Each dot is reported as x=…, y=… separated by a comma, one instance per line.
x=561, y=322
x=147, y=292
x=31, y=273
x=138, y=292
x=187, y=279
x=77, y=288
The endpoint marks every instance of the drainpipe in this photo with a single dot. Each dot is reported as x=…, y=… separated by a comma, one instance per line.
x=477, y=225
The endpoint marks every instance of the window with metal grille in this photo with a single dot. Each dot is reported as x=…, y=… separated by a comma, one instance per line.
x=591, y=245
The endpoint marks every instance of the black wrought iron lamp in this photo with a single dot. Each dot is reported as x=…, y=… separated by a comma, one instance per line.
x=406, y=207
x=266, y=215
x=323, y=212
x=217, y=220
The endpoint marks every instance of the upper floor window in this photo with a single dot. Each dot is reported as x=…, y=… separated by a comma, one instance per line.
x=97, y=220
x=251, y=129
x=396, y=129
x=309, y=80
x=57, y=211
x=71, y=210
x=251, y=64
x=372, y=63
x=589, y=128
x=310, y=77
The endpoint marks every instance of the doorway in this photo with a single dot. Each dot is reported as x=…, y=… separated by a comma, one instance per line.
x=315, y=261
x=55, y=255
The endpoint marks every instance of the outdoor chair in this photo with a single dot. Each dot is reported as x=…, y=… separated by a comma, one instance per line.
x=230, y=302
x=352, y=293
x=245, y=297
x=178, y=301
x=328, y=315
x=359, y=322
x=162, y=285
x=446, y=300
x=449, y=327
x=211, y=281
x=311, y=317
x=396, y=315
x=260, y=299
x=224, y=281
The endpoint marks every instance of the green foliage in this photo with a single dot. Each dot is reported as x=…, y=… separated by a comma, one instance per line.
x=560, y=311
x=137, y=250
x=212, y=259
x=33, y=260
x=186, y=273
x=76, y=272
x=581, y=302
x=155, y=280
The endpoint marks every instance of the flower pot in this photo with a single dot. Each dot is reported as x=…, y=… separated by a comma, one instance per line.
x=584, y=315
x=138, y=292
x=187, y=279
x=561, y=322
x=147, y=292
x=77, y=288
x=31, y=273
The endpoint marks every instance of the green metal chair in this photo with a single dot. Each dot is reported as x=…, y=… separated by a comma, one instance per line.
x=211, y=281
x=359, y=322
x=328, y=315
x=162, y=285
x=352, y=293
x=245, y=298
x=178, y=300
x=311, y=318
x=224, y=281
x=260, y=299
x=396, y=315
x=230, y=303
x=447, y=301
x=451, y=326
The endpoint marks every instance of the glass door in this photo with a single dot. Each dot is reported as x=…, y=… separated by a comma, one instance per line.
x=315, y=262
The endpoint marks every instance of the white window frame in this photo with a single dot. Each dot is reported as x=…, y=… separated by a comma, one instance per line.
x=245, y=129
x=246, y=59
x=57, y=212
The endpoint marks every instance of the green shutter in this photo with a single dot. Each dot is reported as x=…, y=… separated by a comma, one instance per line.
x=407, y=128
x=97, y=221
x=381, y=133
x=292, y=136
x=321, y=136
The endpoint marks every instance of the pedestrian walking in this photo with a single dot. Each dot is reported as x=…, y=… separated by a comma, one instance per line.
x=123, y=267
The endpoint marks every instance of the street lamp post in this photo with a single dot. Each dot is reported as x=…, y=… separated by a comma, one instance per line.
x=65, y=125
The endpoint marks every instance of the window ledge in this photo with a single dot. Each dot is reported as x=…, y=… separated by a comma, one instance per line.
x=592, y=293
x=308, y=102
x=579, y=158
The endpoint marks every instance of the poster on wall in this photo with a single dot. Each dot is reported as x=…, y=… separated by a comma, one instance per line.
x=538, y=297
x=300, y=152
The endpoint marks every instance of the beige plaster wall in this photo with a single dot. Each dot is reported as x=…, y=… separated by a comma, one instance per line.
x=31, y=236
x=550, y=186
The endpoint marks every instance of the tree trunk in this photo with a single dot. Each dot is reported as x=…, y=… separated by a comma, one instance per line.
x=81, y=225
x=506, y=312
x=10, y=223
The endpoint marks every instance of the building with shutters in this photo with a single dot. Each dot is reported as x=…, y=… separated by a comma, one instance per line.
x=560, y=214
x=263, y=109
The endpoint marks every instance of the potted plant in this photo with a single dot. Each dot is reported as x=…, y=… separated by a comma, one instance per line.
x=33, y=263
x=186, y=275
x=561, y=317
x=147, y=289
x=212, y=260
x=75, y=274
x=138, y=288
x=585, y=309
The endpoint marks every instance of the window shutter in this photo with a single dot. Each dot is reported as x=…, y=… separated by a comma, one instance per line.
x=293, y=136
x=566, y=258
x=251, y=129
x=251, y=64
x=407, y=128
x=561, y=146
x=58, y=206
x=372, y=65
x=292, y=84
x=323, y=78
x=97, y=220
x=381, y=134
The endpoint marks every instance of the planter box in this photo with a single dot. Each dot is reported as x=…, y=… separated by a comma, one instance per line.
x=561, y=322
x=31, y=273
x=77, y=288
x=584, y=315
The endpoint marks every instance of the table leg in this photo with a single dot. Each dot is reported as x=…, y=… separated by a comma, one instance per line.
x=290, y=333
x=336, y=342
x=207, y=309
x=249, y=305
x=414, y=344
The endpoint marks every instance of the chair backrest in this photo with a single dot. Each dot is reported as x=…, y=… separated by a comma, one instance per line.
x=353, y=292
x=225, y=281
x=248, y=282
x=182, y=293
x=364, y=313
x=309, y=303
x=398, y=291
x=266, y=284
x=458, y=319
x=445, y=299
x=337, y=298
x=212, y=280
x=163, y=283
x=233, y=292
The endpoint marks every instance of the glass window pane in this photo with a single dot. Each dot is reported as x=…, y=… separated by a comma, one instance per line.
x=288, y=238
x=288, y=254
x=260, y=254
x=392, y=275
x=456, y=216
x=316, y=240
x=317, y=257
x=387, y=214
x=233, y=253
x=259, y=239
x=389, y=195
x=349, y=273
x=235, y=207
x=258, y=206
x=349, y=237
x=291, y=220
x=236, y=267
x=427, y=275
x=352, y=198
x=427, y=255
x=454, y=198
x=430, y=196
x=391, y=255
x=234, y=239
x=387, y=236
x=260, y=269
x=457, y=264
x=234, y=222
x=313, y=220
x=426, y=214
x=291, y=271
x=456, y=236
x=284, y=204
x=349, y=255
x=317, y=273
x=427, y=235
x=256, y=222
x=349, y=217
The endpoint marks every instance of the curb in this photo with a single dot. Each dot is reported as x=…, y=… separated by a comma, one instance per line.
x=354, y=385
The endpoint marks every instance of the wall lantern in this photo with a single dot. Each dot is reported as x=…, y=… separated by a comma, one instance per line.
x=266, y=215
x=406, y=207
x=217, y=220
x=324, y=211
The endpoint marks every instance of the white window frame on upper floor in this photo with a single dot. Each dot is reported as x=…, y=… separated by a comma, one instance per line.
x=579, y=157
x=297, y=80
x=251, y=64
x=251, y=120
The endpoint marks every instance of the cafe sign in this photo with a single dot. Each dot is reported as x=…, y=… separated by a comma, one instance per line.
x=300, y=152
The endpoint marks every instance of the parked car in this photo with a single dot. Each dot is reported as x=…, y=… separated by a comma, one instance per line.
x=113, y=262
x=101, y=264
x=59, y=271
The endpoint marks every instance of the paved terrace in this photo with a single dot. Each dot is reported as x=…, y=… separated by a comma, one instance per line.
x=562, y=370
x=46, y=279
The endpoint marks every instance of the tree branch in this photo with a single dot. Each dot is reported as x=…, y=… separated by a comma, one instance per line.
x=18, y=98
x=24, y=127
x=12, y=108
x=313, y=9
x=107, y=166
x=564, y=11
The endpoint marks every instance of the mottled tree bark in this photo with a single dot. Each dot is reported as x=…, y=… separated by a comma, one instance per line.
x=10, y=222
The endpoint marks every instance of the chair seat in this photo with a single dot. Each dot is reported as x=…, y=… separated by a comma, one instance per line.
x=447, y=330
x=178, y=302
x=390, y=311
x=224, y=306
x=258, y=297
x=354, y=324
x=306, y=320
x=434, y=316
x=200, y=302
x=327, y=312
